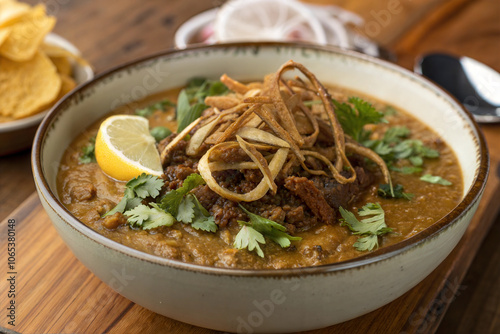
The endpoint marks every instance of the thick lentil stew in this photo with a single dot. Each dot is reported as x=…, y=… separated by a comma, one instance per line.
x=281, y=173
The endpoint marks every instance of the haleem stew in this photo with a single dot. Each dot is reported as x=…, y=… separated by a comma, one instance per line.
x=281, y=173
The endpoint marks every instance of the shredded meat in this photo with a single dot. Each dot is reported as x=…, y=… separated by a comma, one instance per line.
x=234, y=154
x=223, y=210
x=314, y=199
x=336, y=194
x=300, y=203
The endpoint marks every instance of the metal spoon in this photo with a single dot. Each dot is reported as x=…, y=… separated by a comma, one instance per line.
x=474, y=84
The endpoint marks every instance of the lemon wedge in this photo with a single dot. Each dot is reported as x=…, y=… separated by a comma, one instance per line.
x=125, y=149
x=266, y=20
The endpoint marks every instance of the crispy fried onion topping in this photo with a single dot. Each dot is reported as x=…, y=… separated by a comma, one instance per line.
x=277, y=130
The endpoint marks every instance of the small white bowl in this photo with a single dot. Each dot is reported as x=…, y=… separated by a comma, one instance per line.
x=18, y=134
x=265, y=301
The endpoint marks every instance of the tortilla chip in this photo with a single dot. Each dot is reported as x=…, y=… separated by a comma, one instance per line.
x=11, y=10
x=57, y=51
x=4, y=119
x=67, y=84
x=27, y=34
x=63, y=65
x=27, y=87
x=4, y=33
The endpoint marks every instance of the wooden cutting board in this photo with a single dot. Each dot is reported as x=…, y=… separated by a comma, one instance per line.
x=55, y=293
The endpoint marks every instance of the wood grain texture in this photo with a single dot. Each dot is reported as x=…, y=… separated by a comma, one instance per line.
x=16, y=181
x=476, y=308
x=58, y=295
x=387, y=21
x=460, y=27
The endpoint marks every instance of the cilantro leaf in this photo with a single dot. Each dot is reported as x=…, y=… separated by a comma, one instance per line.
x=217, y=88
x=145, y=185
x=265, y=227
x=406, y=169
x=185, y=213
x=138, y=215
x=249, y=238
x=281, y=238
x=161, y=105
x=262, y=224
x=368, y=228
x=88, y=152
x=204, y=223
x=187, y=116
x=353, y=116
x=396, y=134
x=202, y=219
x=198, y=89
x=120, y=207
x=137, y=189
x=148, y=217
x=171, y=201
x=186, y=207
x=160, y=132
x=384, y=191
x=175, y=205
x=390, y=111
x=366, y=243
x=414, y=148
x=191, y=100
x=395, y=146
x=435, y=179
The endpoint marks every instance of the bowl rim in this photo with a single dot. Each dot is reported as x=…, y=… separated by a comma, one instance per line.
x=383, y=253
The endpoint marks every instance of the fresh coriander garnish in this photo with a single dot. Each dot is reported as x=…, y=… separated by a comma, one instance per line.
x=136, y=190
x=435, y=179
x=186, y=113
x=384, y=191
x=176, y=205
x=353, y=117
x=148, y=217
x=160, y=132
x=161, y=105
x=252, y=233
x=369, y=228
x=173, y=198
x=249, y=238
x=395, y=134
x=396, y=146
x=190, y=103
x=186, y=208
x=88, y=152
x=406, y=169
x=197, y=89
x=414, y=150
x=191, y=211
x=390, y=111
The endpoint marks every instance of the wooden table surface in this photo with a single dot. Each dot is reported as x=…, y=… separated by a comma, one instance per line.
x=461, y=296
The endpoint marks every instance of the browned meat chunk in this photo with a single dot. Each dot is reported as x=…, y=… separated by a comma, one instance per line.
x=83, y=191
x=314, y=199
x=113, y=221
x=337, y=194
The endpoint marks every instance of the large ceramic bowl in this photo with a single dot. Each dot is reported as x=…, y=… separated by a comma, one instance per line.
x=18, y=135
x=269, y=300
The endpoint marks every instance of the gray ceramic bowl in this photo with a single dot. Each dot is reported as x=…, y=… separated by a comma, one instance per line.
x=18, y=135
x=268, y=300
